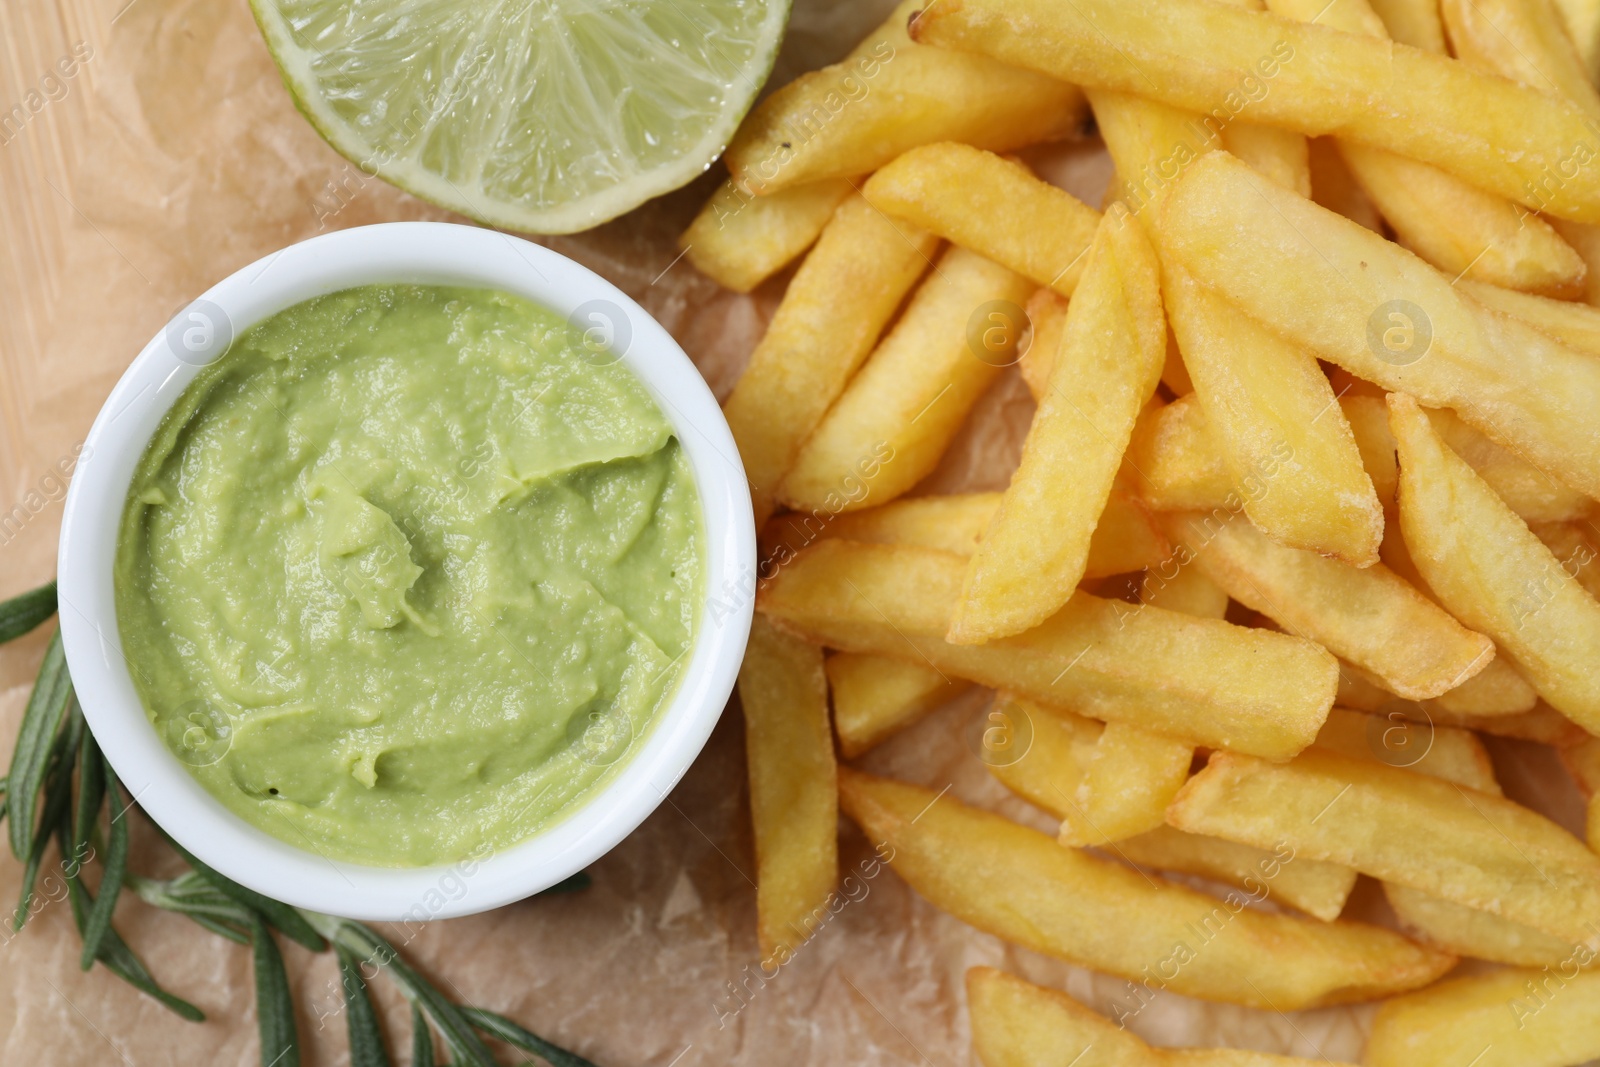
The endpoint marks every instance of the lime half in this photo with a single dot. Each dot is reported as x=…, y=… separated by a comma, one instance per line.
x=546, y=116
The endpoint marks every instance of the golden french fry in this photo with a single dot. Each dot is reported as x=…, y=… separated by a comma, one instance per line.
x=1040, y=753
x=1177, y=463
x=1020, y=885
x=1131, y=778
x=992, y=206
x=1582, y=20
x=1464, y=931
x=1335, y=188
x=1574, y=325
x=1504, y=137
x=1126, y=539
x=1491, y=572
x=875, y=697
x=1273, y=414
x=1185, y=589
x=1202, y=679
x=793, y=795
x=855, y=116
x=740, y=240
x=1544, y=1018
x=1543, y=724
x=1523, y=40
x=1458, y=844
x=1384, y=315
x=1370, y=617
x=1018, y=1024
x=834, y=309
x=1446, y=752
x=1576, y=546
x=1276, y=154
x=897, y=416
x=1413, y=22
x=1369, y=423
x=1316, y=888
x=1047, y=320
x=1526, y=490
x=1036, y=548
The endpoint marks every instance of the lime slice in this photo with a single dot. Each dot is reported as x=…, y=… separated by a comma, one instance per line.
x=546, y=116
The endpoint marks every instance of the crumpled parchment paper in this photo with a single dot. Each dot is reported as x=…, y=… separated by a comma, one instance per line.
x=147, y=149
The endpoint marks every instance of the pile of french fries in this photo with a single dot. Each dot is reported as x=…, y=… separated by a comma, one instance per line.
x=1306, y=508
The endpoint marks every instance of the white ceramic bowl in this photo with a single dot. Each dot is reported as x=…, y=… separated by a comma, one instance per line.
x=423, y=253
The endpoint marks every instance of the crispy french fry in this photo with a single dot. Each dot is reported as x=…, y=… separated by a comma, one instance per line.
x=1544, y=1018
x=1277, y=154
x=897, y=416
x=1204, y=679
x=1018, y=1024
x=1022, y=886
x=1413, y=22
x=1055, y=763
x=1576, y=546
x=1574, y=325
x=793, y=795
x=1504, y=137
x=1036, y=548
x=1525, y=40
x=1369, y=422
x=1316, y=888
x=1438, y=837
x=1457, y=227
x=1047, y=320
x=1446, y=752
x=1525, y=489
x=1185, y=589
x=1370, y=617
x=1131, y=778
x=1490, y=571
x=1335, y=188
x=1582, y=20
x=1126, y=539
x=1395, y=321
x=993, y=206
x=1464, y=931
x=740, y=240
x=875, y=697
x=1273, y=414
x=855, y=116
x=832, y=313
x=1177, y=463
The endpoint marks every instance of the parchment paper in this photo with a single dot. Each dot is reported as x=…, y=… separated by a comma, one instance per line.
x=157, y=152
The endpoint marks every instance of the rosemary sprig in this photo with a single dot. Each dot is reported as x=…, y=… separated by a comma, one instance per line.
x=59, y=786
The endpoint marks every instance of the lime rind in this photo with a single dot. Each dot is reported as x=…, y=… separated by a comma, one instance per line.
x=548, y=116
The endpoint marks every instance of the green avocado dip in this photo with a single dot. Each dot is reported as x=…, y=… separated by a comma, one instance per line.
x=408, y=572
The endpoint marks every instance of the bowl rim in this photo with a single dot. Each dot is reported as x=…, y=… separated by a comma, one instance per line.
x=429, y=253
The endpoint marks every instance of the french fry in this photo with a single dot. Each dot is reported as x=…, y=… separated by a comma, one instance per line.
x=1493, y=133
x=992, y=206
x=1335, y=188
x=1273, y=414
x=1020, y=885
x=1185, y=589
x=1491, y=572
x=1202, y=679
x=1018, y=1024
x=1574, y=325
x=855, y=116
x=1576, y=547
x=1459, y=228
x=1060, y=748
x=834, y=309
x=875, y=697
x=1276, y=154
x=1435, y=836
x=740, y=240
x=1464, y=931
x=1395, y=321
x=1036, y=548
x=1525, y=489
x=1177, y=462
x=1543, y=724
x=1370, y=617
x=1126, y=539
x=1518, y=1018
x=1413, y=22
x=1523, y=40
x=1131, y=778
x=895, y=419
x=1582, y=20
x=1047, y=320
x=793, y=795
x=1368, y=417
x=1446, y=752
x=1316, y=888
